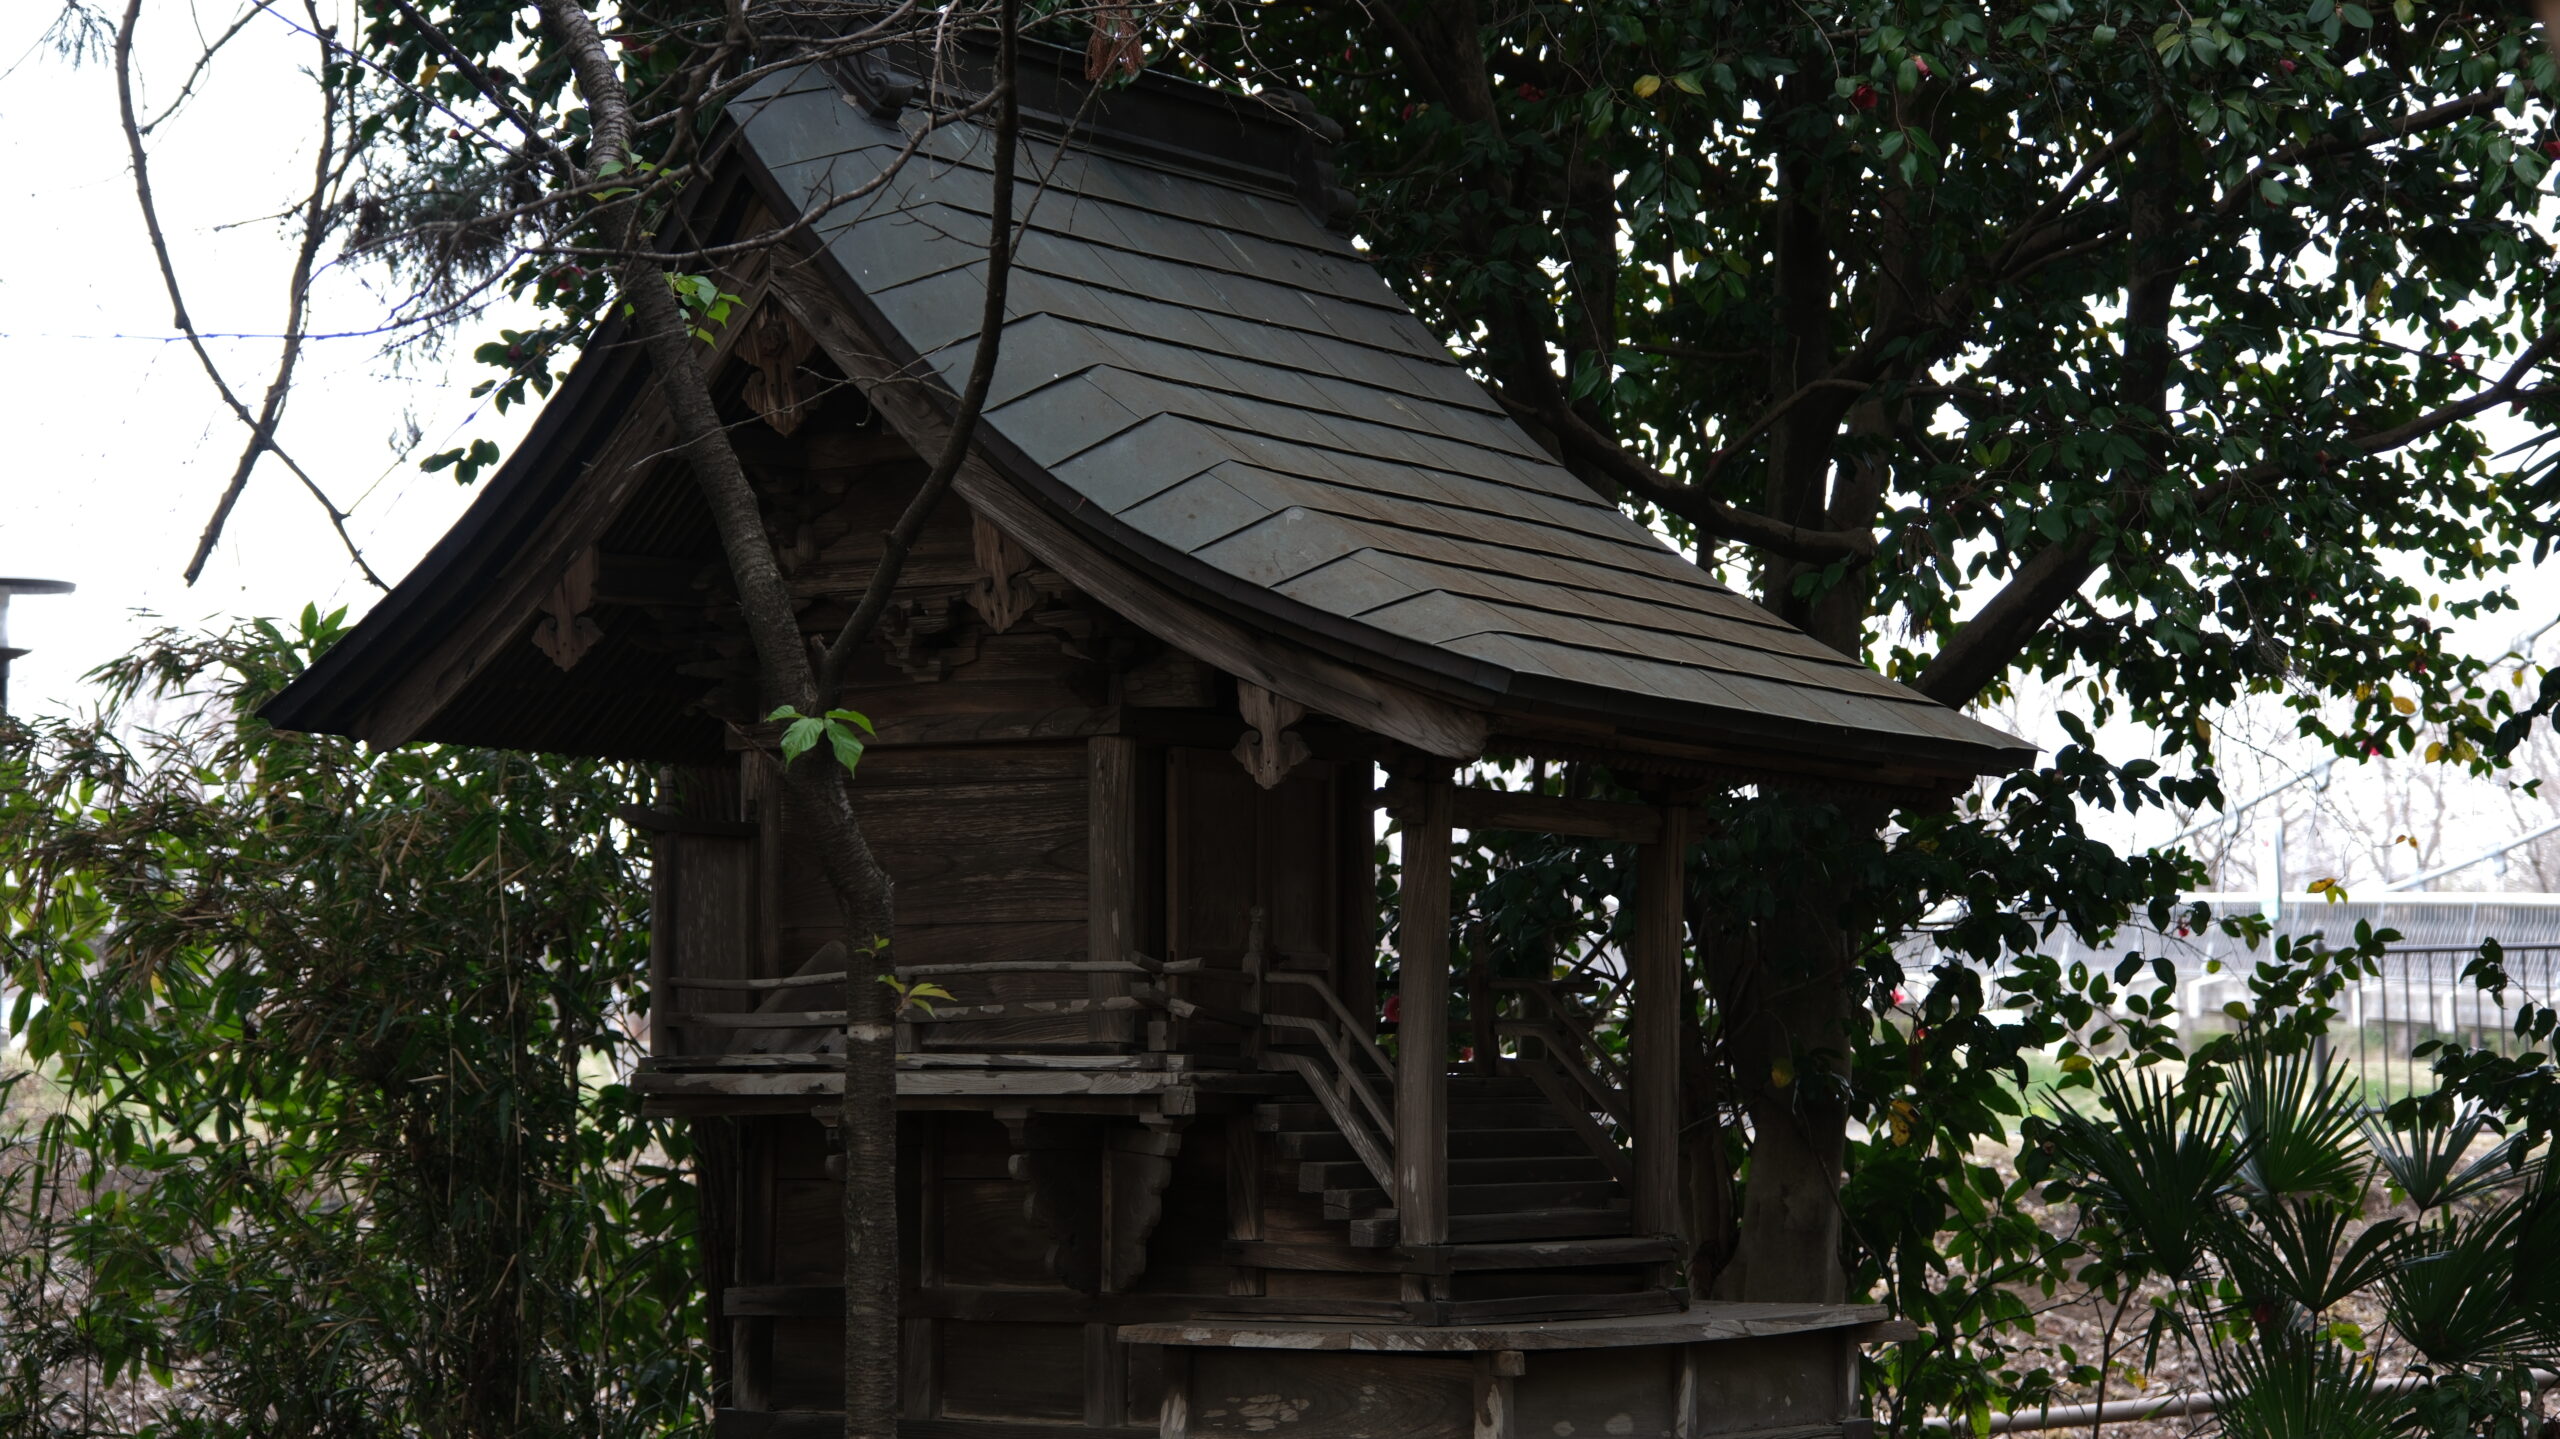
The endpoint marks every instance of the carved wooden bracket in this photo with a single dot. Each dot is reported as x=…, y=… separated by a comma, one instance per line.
x=1001, y=594
x=1097, y=1186
x=565, y=632
x=1137, y=1166
x=1268, y=750
x=775, y=346
x=918, y=634
x=1056, y=1155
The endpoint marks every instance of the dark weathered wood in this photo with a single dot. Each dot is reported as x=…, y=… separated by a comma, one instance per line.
x=1422, y=1078
x=829, y=1424
x=1060, y=1160
x=780, y=1019
x=1660, y=990
x=1611, y=820
x=1545, y=1254
x=1313, y=1258
x=1173, y=1415
x=1699, y=1323
x=1567, y=1097
x=1495, y=1407
x=1558, y=1307
x=1017, y=1371
x=662, y=948
x=1330, y=1396
x=1355, y=979
x=919, y=1369
x=1114, y=766
x=1137, y=1166
x=661, y=821
x=625, y=461
x=817, y=979
x=1537, y=1224
x=1106, y=1375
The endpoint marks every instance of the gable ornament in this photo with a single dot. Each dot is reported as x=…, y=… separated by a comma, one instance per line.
x=566, y=631
x=1269, y=748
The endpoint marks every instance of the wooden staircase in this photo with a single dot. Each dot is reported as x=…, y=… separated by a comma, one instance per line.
x=1519, y=1169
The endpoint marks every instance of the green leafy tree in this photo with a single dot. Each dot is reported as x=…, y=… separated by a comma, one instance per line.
x=2138, y=352
x=325, y=1135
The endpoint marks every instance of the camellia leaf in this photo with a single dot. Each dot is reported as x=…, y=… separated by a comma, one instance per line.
x=800, y=736
x=847, y=746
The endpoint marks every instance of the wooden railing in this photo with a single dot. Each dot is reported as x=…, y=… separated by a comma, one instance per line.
x=1347, y=1086
x=823, y=969
x=1577, y=1074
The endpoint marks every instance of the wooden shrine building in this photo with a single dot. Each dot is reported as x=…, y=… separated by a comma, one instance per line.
x=1242, y=557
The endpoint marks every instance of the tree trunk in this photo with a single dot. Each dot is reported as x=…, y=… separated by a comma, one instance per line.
x=1783, y=988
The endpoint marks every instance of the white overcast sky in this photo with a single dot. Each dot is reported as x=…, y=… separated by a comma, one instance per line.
x=117, y=446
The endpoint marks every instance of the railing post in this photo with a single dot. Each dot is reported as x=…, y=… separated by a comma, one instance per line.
x=1256, y=964
x=1653, y=1084
x=1422, y=1045
x=1481, y=1001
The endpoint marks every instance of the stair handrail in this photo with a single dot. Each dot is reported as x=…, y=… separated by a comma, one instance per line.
x=1583, y=1034
x=1380, y=1112
x=1352, y=1031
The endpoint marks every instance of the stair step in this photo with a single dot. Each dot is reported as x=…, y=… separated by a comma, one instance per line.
x=1464, y=1115
x=1493, y=1086
x=1325, y=1143
x=1380, y=1231
x=1537, y=1224
x=1503, y=1169
x=1360, y=1201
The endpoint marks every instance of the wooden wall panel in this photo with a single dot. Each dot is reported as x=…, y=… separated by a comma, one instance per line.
x=1336, y=1396
x=1013, y=1371
x=808, y=1364
x=1618, y=1392
x=1233, y=846
x=1214, y=857
x=1791, y=1379
x=988, y=849
x=988, y=1239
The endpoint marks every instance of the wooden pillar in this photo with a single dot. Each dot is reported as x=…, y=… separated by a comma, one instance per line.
x=1112, y=765
x=1422, y=1045
x=1653, y=1098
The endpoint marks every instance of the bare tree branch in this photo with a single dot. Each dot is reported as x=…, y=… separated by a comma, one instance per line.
x=896, y=544
x=262, y=424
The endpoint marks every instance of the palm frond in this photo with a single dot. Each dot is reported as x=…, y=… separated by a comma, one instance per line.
x=2159, y=1167
x=2302, y=1250
x=2302, y=1117
x=2430, y=1160
x=2455, y=1295
x=2301, y=1390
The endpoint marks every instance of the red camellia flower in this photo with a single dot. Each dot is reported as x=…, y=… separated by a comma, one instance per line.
x=1532, y=92
x=1864, y=97
x=2551, y=148
x=1921, y=65
x=2286, y=65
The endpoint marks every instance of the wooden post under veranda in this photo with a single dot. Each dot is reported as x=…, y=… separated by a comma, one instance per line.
x=1422, y=1070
